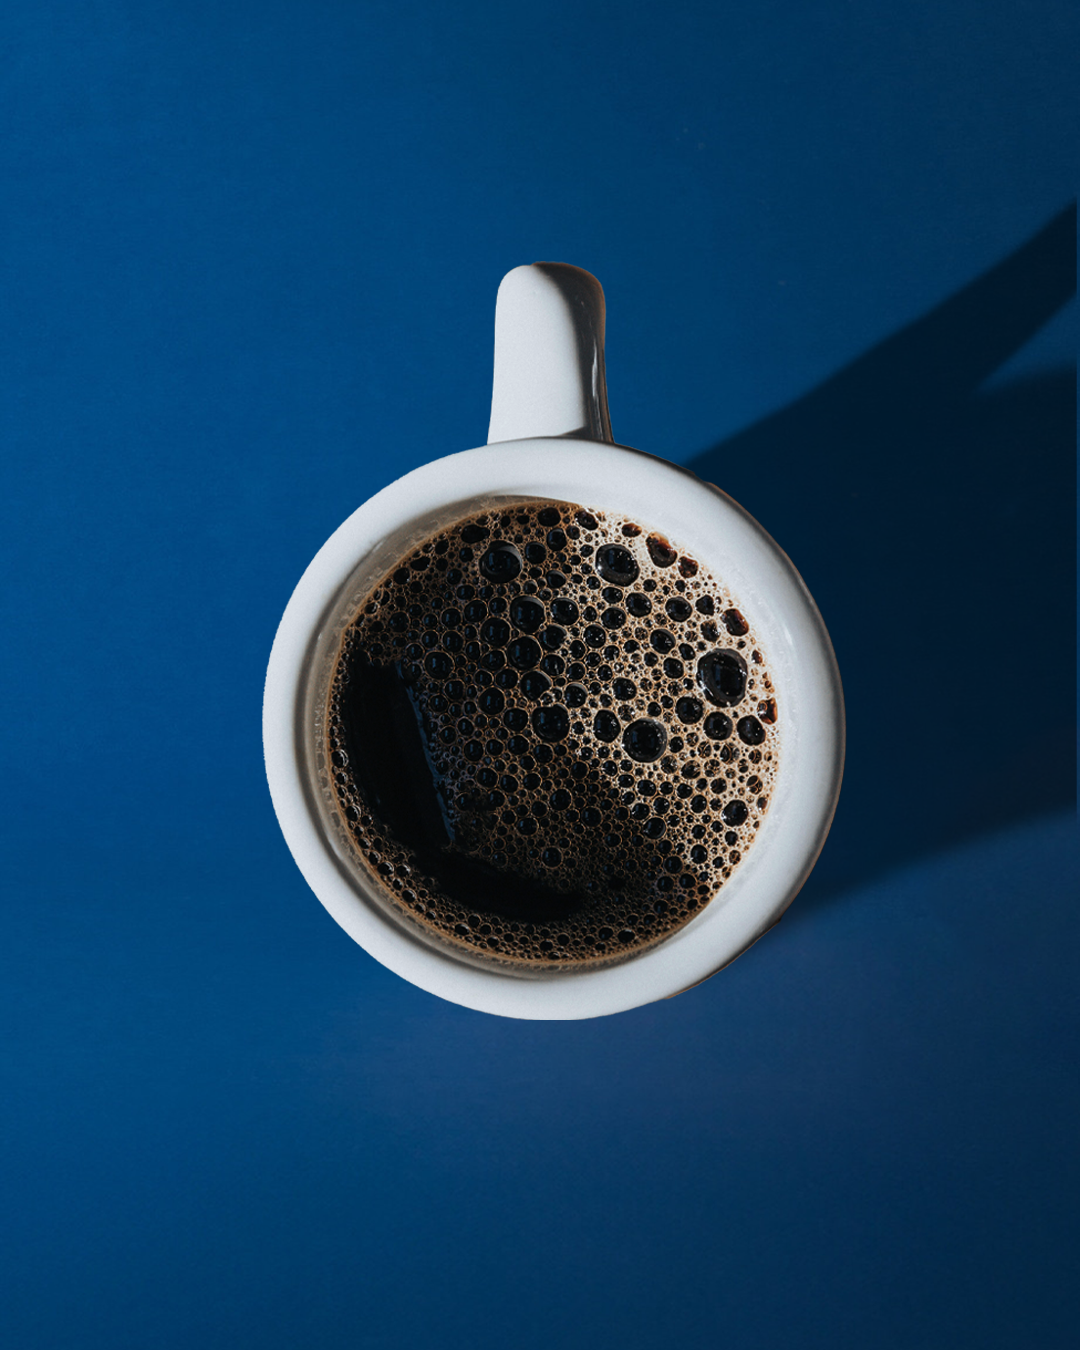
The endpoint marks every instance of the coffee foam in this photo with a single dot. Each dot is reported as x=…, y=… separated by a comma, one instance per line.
x=589, y=722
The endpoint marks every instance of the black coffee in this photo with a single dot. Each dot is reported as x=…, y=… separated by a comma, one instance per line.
x=552, y=735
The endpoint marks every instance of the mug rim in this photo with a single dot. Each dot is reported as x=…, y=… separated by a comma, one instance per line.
x=706, y=522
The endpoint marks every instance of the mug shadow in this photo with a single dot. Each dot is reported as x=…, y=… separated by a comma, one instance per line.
x=933, y=522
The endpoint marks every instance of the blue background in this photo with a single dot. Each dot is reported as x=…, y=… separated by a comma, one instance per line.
x=249, y=260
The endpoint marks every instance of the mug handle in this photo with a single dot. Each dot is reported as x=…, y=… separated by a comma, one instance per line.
x=549, y=356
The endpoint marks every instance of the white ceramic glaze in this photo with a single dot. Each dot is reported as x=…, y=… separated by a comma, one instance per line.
x=703, y=521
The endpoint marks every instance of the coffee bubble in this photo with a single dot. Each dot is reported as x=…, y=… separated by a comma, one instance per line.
x=718, y=727
x=524, y=653
x=616, y=564
x=645, y=740
x=501, y=562
x=606, y=726
x=722, y=675
x=526, y=614
x=660, y=551
x=534, y=683
x=551, y=724
x=492, y=701
x=750, y=730
x=496, y=632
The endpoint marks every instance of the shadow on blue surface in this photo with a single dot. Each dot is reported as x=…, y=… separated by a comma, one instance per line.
x=933, y=522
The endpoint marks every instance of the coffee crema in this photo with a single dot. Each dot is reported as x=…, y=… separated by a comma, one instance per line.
x=550, y=735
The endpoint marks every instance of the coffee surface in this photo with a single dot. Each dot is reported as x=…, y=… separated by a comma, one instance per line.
x=551, y=735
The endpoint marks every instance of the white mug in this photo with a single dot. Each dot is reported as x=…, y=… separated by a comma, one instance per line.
x=550, y=438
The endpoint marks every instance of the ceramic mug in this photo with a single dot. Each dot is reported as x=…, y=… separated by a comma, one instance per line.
x=550, y=439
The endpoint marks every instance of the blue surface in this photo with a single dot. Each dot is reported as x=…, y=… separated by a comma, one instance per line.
x=248, y=276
